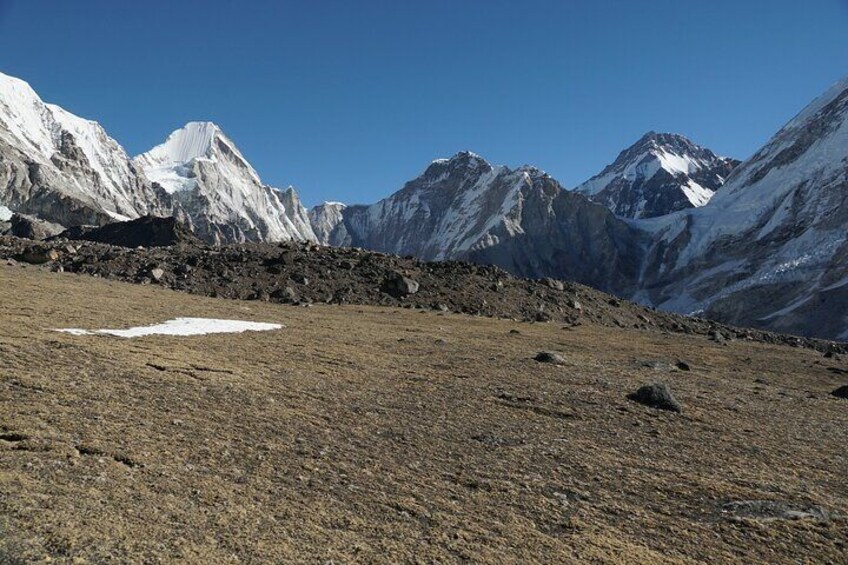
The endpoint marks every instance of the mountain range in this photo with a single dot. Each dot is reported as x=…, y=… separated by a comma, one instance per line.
x=668, y=223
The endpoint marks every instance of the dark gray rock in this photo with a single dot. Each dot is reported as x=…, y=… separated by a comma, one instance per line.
x=398, y=285
x=841, y=392
x=550, y=357
x=148, y=231
x=656, y=395
x=30, y=227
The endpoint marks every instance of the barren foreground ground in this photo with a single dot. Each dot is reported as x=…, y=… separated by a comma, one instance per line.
x=367, y=434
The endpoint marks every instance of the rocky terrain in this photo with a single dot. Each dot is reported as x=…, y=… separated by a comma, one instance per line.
x=673, y=226
x=380, y=434
x=303, y=274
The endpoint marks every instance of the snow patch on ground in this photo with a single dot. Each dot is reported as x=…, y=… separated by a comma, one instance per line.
x=5, y=214
x=182, y=327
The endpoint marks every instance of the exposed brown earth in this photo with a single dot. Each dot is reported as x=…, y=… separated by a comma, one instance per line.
x=385, y=434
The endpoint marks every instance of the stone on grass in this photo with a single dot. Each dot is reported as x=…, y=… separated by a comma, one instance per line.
x=550, y=357
x=841, y=392
x=656, y=395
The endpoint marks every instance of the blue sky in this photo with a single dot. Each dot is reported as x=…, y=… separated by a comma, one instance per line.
x=347, y=100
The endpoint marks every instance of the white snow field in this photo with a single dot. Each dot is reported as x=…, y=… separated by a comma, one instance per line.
x=182, y=327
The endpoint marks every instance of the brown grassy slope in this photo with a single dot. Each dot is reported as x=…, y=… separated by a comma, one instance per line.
x=363, y=434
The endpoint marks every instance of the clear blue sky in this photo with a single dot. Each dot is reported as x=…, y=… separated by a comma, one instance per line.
x=349, y=99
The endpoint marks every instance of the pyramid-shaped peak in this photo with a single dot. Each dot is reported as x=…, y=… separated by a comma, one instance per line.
x=192, y=141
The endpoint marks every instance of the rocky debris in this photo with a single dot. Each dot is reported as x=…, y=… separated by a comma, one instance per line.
x=147, y=231
x=717, y=337
x=38, y=255
x=770, y=510
x=841, y=392
x=550, y=357
x=265, y=271
x=30, y=227
x=683, y=366
x=398, y=285
x=157, y=274
x=656, y=395
x=554, y=284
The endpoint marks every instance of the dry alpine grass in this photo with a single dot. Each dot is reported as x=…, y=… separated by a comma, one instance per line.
x=365, y=434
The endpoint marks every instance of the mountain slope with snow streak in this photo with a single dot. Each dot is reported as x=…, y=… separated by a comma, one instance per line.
x=771, y=248
x=64, y=168
x=659, y=174
x=519, y=219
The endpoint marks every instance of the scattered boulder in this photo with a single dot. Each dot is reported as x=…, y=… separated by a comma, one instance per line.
x=30, y=227
x=147, y=231
x=550, y=357
x=554, y=284
x=38, y=255
x=398, y=285
x=683, y=366
x=656, y=395
x=157, y=274
x=841, y=392
x=717, y=336
x=286, y=294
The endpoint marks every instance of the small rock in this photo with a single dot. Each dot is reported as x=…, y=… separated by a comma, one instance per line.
x=555, y=284
x=717, y=336
x=157, y=274
x=841, y=392
x=38, y=255
x=656, y=395
x=542, y=316
x=550, y=357
x=683, y=366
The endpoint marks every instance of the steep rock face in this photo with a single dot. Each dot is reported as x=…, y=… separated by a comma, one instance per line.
x=326, y=220
x=63, y=168
x=521, y=220
x=659, y=174
x=770, y=249
x=220, y=191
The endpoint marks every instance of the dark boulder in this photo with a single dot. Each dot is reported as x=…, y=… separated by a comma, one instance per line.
x=656, y=395
x=147, y=231
x=398, y=285
x=30, y=227
x=550, y=357
x=841, y=392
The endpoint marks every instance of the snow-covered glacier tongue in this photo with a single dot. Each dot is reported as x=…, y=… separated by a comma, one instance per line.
x=203, y=170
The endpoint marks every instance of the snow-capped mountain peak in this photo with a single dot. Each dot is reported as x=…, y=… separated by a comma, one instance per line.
x=659, y=174
x=222, y=193
x=169, y=163
x=75, y=160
